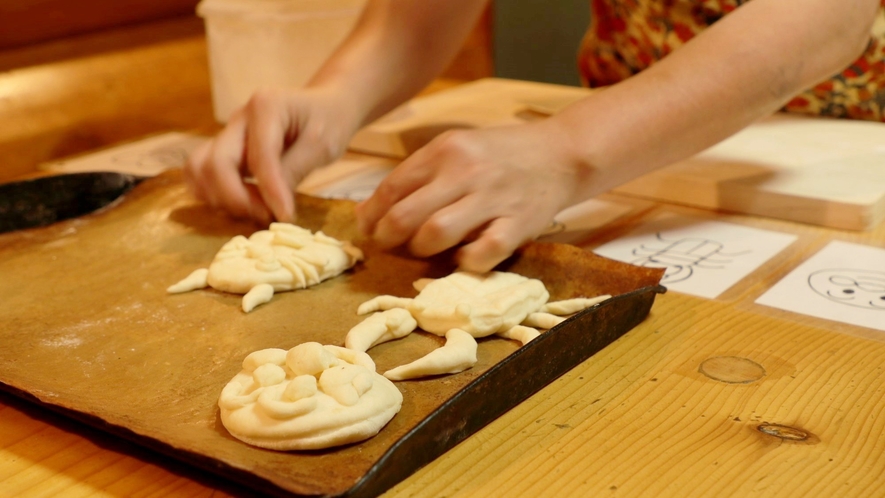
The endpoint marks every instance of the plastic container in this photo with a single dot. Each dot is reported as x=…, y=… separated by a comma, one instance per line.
x=261, y=43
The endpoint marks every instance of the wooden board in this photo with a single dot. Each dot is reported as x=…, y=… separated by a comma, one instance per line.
x=812, y=170
x=819, y=171
x=485, y=102
x=86, y=328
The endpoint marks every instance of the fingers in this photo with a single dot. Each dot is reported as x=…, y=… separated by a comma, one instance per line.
x=431, y=219
x=434, y=219
x=492, y=189
x=494, y=245
x=194, y=164
x=214, y=173
x=399, y=184
x=277, y=138
x=265, y=142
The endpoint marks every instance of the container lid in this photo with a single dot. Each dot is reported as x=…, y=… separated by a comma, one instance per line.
x=282, y=8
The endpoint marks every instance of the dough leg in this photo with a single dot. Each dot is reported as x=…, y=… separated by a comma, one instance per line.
x=542, y=320
x=258, y=295
x=571, y=306
x=520, y=333
x=382, y=303
x=380, y=327
x=196, y=280
x=458, y=354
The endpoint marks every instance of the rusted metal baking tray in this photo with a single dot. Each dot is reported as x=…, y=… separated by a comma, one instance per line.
x=87, y=329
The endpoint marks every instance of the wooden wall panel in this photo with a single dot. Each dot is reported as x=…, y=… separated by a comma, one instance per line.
x=24, y=22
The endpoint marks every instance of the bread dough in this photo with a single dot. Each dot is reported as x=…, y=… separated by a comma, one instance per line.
x=284, y=257
x=458, y=354
x=309, y=397
x=476, y=305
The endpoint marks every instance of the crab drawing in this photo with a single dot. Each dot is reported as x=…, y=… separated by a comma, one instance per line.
x=461, y=307
x=284, y=257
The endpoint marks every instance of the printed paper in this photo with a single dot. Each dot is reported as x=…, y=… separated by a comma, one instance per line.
x=703, y=258
x=844, y=282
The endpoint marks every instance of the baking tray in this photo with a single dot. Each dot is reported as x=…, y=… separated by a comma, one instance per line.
x=86, y=329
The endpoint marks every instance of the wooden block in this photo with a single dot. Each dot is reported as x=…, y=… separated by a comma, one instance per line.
x=485, y=102
x=819, y=171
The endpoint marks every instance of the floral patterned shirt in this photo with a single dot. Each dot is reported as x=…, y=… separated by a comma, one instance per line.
x=626, y=36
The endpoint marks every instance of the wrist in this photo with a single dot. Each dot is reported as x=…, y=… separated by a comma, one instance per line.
x=572, y=157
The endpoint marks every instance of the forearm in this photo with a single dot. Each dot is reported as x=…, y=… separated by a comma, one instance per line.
x=395, y=50
x=744, y=67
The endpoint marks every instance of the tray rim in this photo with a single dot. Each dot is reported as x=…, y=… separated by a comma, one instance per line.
x=378, y=478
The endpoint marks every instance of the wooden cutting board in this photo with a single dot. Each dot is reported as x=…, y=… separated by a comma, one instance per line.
x=86, y=328
x=484, y=102
x=818, y=171
x=811, y=170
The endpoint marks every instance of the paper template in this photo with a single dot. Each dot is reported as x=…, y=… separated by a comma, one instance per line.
x=148, y=157
x=352, y=177
x=844, y=282
x=703, y=258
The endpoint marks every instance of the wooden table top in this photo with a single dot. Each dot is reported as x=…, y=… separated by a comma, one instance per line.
x=638, y=419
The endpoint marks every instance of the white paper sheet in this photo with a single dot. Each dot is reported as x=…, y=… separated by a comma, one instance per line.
x=844, y=282
x=703, y=258
x=147, y=157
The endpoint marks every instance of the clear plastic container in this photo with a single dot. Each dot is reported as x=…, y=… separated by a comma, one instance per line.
x=260, y=43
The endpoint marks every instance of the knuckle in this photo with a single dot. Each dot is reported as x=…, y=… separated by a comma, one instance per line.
x=262, y=98
x=453, y=142
x=494, y=242
x=386, y=191
x=397, y=221
x=437, y=228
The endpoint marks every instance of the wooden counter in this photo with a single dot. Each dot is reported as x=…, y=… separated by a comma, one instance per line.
x=637, y=419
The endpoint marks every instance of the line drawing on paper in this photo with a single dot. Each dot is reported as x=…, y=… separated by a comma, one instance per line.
x=855, y=287
x=681, y=257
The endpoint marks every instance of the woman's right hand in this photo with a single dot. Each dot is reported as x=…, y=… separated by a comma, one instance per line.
x=252, y=167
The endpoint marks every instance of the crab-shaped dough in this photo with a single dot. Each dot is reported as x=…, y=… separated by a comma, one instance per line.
x=462, y=307
x=284, y=257
x=309, y=397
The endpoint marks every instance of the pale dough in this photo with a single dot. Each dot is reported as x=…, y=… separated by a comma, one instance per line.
x=309, y=397
x=458, y=354
x=462, y=306
x=284, y=257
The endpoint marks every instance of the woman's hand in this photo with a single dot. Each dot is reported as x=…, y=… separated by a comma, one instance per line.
x=495, y=188
x=251, y=168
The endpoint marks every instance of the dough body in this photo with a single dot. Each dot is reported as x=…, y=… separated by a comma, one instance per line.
x=285, y=257
x=311, y=397
x=462, y=307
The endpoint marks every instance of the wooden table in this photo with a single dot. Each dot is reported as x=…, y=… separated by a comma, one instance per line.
x=638, y=419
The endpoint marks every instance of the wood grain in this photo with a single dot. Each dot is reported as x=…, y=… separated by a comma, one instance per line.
x=24, y=22
x=94, y=100
x=640, y=419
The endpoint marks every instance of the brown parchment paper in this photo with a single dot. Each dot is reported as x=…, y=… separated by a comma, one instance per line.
x=87, y=326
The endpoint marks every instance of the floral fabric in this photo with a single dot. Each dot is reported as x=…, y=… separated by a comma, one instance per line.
x=626, y=36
